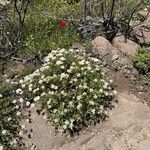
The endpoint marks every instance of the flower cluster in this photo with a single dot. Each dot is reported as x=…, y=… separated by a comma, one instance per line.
x=70, y=87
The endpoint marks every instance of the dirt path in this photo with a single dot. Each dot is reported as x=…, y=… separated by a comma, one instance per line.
x=127, y=128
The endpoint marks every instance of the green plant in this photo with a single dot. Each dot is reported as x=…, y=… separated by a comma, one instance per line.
x=147, y=80
x=142, y=61
x=70, y=87
x=9, y=121
x=42, y=36
x=26, y=71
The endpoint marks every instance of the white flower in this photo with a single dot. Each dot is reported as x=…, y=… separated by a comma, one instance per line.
x=62, y=58
x=18, y=91
x=75, y=79
x=40, y=81
x=79, y=97
x=89, y=68
x=101, y=90
x=95, y=80
x=30, y=85
x=55, y=120
x=95, y=97
x=71, y=104
x=91, y=102
x=78, y=75
x=111, y=81
x=32, y=105
x=73, y=64
x=1, y=95
x=55, y=110
x=42, y=87
x=46, y=59
x=63, y=93
x=49, y=106
x=7, y=80
x=27, y=103
x=9, y=118
x=115, y=92
x=23, y=126
x=50, y=55
x=79, y=106
x=145, y=9
x=103, y=73
x=62, y=67
x=51, y=92
x=4, y=131
x=59, y=62
x=44, y=117
x=21, y=133
x=71, y=50
x=27, y=120
x=23, y=85
x=37, y=89
x=21, y=100
x=56, y=88
x=53, y=58
x=81, y=62
x=1, y=147
x=93, y=111
x=101, y=107
x=17, y=107
x=84, y=93
x=14, y=142
x=43, y=94
x=53, y=86
x=64, y=126
x=106, y=93
x=21, y=81
x=80, y=86
x=95, y=60
x=30, y=89
x=49, y=101
x=43, y=76
x=66, y=122
x=37, y=98
x=105, y=86
x=71, y=67
x=18, y=113
x=91, y=90
x=65, y=110
x=69, y=70
x=63, y=75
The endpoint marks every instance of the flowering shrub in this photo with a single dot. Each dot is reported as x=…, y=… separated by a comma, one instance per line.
x=70, y=87
x=9, y=121
x=142, y=61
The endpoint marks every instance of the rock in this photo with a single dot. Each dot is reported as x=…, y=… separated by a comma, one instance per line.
x=104, y=49
x=125, y=45
x=78, y=47
x=145, y=145
x=134, y=23
x=141, y=32
x=143, y=14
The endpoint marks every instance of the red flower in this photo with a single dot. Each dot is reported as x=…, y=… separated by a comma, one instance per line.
x=62, y=23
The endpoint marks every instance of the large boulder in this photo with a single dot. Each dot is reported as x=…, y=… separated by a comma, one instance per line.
x=125, y=45
x=104, y=49
x=143, y=14
x=141, y=32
